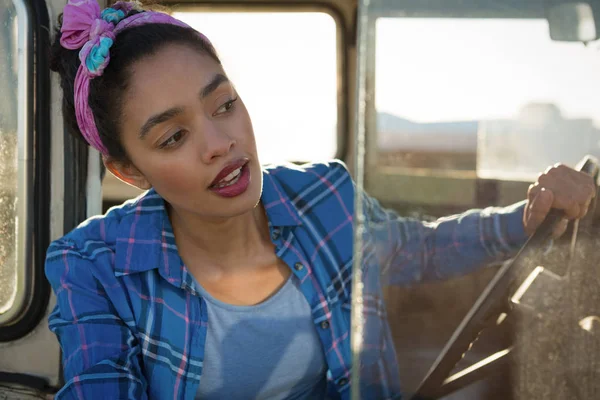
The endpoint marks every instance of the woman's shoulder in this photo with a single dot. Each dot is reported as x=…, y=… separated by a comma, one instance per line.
x=100, y=233
x=302, y=174
x=320, y=190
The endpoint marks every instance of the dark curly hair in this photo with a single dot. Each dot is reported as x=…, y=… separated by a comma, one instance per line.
x=107, y=90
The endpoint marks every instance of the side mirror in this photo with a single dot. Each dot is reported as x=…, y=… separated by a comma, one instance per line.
x=573, y=20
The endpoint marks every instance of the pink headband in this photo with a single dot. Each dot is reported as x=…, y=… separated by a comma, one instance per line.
x=85, y=27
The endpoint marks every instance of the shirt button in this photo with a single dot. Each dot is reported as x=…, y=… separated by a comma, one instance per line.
x=298, y=266
x=325, y=325
x=275, y=234
x=342, y=382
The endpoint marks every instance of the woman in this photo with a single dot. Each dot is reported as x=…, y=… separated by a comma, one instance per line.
x=225, y=280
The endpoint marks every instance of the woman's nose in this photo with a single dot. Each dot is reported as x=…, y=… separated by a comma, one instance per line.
x=217, y=144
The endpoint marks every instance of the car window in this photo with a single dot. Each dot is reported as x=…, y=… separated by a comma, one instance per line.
x=288, y=80
x=463, y=104
x=8, y=154
x=477, y=94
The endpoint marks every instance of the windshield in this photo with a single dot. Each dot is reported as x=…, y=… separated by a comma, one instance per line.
x=449, y=85
x=465, y=104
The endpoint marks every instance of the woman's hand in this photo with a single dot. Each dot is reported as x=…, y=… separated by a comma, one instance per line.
x=562, y=188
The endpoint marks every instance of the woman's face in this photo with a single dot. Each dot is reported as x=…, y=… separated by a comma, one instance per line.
x=189, y=135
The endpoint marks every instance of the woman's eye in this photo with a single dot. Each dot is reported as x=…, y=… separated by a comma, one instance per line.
x=170, y=142
x=226, y=107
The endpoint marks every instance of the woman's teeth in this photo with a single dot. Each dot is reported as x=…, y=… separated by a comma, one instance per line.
x=230, y=179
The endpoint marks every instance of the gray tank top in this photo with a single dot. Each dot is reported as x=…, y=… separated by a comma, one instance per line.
x=267, y=351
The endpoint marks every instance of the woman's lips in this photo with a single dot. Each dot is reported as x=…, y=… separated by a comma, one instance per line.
x=234, y=183
x=228, y=170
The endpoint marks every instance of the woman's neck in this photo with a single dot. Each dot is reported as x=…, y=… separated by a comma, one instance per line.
x=226, y=243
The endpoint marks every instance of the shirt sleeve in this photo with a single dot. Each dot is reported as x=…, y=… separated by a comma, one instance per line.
x=101, y=356
x=410, y=251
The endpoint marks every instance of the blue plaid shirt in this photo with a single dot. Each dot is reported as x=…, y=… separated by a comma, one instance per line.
x=132, y=326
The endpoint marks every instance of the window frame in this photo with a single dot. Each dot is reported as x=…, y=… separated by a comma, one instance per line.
x=33, y=290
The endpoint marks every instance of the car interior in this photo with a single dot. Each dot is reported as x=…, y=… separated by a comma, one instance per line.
x=435, y=106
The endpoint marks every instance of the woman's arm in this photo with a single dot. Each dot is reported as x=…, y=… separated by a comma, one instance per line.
x=101, y=355
x=410, y=250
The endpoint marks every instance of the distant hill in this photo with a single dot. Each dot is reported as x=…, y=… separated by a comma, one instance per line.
x=396, y=133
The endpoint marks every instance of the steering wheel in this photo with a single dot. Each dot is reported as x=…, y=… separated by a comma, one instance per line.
x=491, y=304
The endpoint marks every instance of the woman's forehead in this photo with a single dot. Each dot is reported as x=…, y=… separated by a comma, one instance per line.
x=173, y=71
x=173, y=77
x=172, y=58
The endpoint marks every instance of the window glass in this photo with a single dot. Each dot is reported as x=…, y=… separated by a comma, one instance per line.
x=481, y=94
x=461, y=90
x=8, y=154
x=286, y=74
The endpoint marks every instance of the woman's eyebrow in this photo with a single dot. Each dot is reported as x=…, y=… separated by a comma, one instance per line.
x=213, y=85
x=164, y=116
x=159, y=119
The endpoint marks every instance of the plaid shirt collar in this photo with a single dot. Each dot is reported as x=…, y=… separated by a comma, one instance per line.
x=145, y=237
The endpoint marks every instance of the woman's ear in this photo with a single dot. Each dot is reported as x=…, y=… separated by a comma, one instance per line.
x=126, y=172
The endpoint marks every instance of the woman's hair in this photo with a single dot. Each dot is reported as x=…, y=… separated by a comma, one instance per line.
x=107, y=91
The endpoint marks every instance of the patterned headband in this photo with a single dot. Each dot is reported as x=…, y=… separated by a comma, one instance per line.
x=93, y=31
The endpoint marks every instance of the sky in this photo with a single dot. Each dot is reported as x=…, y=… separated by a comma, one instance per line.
x=444, y=70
